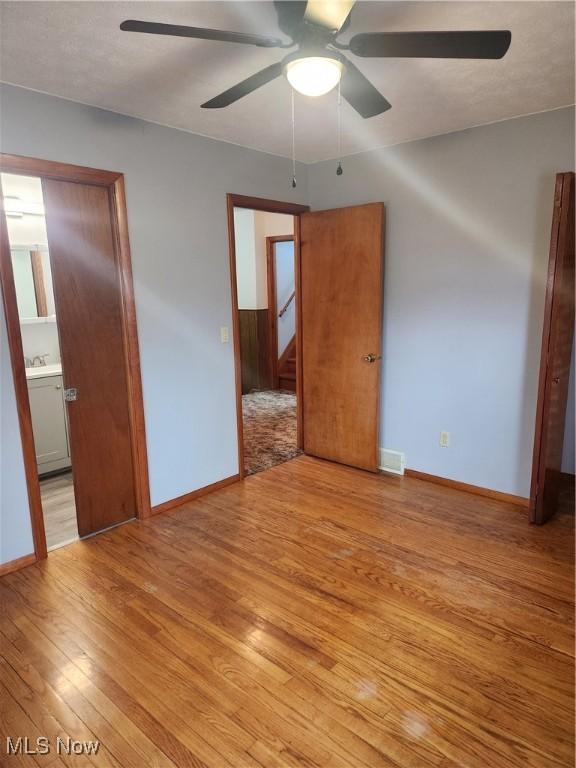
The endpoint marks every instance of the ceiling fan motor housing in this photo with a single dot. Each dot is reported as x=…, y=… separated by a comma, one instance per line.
x=307, y=52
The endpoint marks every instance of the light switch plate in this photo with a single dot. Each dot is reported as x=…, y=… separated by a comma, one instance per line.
x=444, y=439
x=224, y=334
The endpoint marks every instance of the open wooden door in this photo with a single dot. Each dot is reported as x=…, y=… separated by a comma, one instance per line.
x=342, y=253
x=557, y=339
x=86, y=277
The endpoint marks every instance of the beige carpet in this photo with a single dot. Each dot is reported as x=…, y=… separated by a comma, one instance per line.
x=269, y=429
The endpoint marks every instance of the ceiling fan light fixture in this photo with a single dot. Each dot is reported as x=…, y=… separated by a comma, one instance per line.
x=314, y=75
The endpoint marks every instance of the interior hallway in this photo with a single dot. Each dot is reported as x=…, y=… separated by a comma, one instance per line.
x=270, y=429
x=311, y=615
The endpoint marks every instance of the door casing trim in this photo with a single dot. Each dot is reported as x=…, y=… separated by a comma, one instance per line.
x=272, y=309
x=271, y=206
x=559, y=217
x=114, y=182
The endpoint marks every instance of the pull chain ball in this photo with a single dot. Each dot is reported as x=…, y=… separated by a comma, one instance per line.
x=339, y=170
x=293, y=138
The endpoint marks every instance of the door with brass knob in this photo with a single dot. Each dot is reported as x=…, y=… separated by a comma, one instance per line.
x=341, y=320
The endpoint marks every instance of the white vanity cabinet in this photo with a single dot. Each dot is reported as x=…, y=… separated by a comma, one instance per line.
x=49, y=423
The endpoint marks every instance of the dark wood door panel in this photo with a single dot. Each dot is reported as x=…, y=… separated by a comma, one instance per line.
x=557, y=338
x=86, y=278
x=254, y=349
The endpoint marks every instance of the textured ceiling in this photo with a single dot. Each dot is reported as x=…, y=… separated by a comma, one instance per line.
x=75, y=50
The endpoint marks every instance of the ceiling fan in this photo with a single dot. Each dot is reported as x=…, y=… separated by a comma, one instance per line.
x=318, y=64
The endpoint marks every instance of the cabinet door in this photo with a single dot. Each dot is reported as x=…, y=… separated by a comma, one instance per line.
x=48, y=419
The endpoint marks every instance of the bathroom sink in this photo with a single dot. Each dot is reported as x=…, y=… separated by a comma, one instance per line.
x=44, y=370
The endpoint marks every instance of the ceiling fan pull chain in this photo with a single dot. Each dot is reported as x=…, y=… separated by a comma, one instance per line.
x=293, y=141
x=339, y=170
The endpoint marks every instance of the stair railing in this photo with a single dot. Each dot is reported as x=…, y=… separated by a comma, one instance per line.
x=285, y=307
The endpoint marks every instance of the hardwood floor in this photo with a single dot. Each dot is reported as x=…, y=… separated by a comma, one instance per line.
x=59, y=509
x=312, y=615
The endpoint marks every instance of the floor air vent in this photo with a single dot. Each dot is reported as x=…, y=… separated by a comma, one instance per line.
x=392, y=461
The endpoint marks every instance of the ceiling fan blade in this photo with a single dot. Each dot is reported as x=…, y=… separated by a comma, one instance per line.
x=360, y=93
x=199, y=33
x=328, y=13
x=245, y=87
x=487, y=44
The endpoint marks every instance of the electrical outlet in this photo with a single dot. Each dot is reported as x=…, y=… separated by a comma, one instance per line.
x=444, y=439
x=224, y=335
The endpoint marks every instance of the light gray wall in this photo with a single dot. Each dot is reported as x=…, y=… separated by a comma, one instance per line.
x=176, y=184
x=466, y=250
x=15, y=530
x=468, y=228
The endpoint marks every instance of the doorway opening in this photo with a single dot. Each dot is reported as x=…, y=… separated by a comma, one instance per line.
x=264, y=267
x=66, y=285
x=338, y=279
x=28, y=239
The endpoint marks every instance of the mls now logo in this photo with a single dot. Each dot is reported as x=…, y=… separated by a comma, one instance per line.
x=25, y=746
x=22, y=745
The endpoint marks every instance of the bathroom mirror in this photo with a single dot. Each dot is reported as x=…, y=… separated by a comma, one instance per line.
x=33, y=282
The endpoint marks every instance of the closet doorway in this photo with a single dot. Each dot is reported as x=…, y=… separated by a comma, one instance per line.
x=68, y=299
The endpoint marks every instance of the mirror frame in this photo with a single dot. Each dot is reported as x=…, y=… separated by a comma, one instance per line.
x=38, y=281
x=39, y=284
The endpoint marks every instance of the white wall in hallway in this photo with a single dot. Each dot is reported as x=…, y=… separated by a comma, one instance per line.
x=268, y=225
x=245, y=246
x=251, y=228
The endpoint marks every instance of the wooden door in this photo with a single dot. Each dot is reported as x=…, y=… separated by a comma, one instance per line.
x=342, y=254
x=86, y=278
x=557, y=339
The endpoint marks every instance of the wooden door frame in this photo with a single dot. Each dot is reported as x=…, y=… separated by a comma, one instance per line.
x=273, y=316
x=560, y=220
x=114, y=182
x=270, y=206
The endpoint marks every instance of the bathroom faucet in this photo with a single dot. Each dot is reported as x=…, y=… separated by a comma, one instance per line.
x=41, y=360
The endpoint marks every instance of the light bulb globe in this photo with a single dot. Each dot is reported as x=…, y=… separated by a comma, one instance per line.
x=314, y=75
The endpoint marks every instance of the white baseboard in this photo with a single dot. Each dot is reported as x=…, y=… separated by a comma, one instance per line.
x=392, y=461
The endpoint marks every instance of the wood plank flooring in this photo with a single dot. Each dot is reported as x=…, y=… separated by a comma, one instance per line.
x=59, y=509
x=312, y=615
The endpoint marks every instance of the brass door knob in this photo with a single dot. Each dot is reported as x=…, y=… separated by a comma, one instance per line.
x=371, y=358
